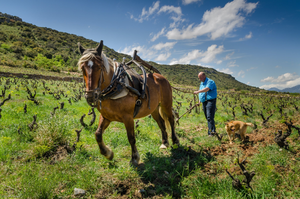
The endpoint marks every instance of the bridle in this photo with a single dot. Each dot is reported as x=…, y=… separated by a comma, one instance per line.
x=93, y=96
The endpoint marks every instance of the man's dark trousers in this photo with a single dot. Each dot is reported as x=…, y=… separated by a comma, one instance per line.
x=209, y=108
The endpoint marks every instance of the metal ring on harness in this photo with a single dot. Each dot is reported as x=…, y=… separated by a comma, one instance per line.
x=138, y=102
x=137, y=107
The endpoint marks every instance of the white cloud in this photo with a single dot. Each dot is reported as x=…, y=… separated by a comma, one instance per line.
x=226, y=70
x=217, y=22
x=228, y=56
x=249, y=36
x=207, y=56
x=150, y=53
x=147, y=54
x=193, y=42
x=188, y=58
x=211, y=53
x=163, y=57
x=204, y=65
x=252, y=68
x=186, y=2
x=287, y=84
x=166, y=46
x=282, y=78
x=268, y=79
x=175, y=11
x=176, y=18
x=155, y=37
x=170, y=9
x=232, y=64
x=145, y=14
x=241, y=74
x=286, y=80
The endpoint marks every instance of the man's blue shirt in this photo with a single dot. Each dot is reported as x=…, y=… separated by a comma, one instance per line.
x=211, y=94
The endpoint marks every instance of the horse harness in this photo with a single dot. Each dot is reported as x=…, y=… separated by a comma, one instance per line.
x=118, y=84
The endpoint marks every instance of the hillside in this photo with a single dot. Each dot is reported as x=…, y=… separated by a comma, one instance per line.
x=23, y=45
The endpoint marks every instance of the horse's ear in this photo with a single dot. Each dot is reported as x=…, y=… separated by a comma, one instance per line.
x=81, y=49
x=99, y=47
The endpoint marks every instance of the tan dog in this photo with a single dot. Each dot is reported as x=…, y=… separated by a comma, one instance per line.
x=234, y=126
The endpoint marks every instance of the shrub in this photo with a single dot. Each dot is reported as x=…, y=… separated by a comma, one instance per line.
x=3, y=36
x=12, y=37
x=6, y=47
x=31, y=53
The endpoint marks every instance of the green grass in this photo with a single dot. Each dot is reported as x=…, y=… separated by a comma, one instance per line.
x=42, y=163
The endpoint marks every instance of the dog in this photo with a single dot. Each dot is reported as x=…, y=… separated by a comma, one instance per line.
x=234, y=126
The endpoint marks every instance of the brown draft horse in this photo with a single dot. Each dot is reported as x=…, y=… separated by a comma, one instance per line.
x=97, y=73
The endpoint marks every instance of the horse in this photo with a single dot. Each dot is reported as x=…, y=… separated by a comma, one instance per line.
x=98, y=71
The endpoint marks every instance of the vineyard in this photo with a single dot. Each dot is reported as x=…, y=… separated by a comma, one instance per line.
x=48, y=147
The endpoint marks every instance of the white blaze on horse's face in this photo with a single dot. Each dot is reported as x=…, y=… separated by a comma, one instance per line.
x=90, y=64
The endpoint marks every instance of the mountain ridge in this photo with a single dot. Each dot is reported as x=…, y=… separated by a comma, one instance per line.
x=294, y=89
x=25, y=45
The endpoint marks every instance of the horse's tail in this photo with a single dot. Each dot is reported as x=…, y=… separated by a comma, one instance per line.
x=165, y=118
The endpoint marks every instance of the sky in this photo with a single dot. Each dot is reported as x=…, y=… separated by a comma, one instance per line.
x=257, y=42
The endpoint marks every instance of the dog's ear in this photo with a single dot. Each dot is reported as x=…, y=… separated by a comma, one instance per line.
x=227, y=123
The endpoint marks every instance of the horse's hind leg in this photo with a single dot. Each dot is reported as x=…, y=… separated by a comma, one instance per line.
x=175, y=139
x=129, y=125
x=104, y=150
x=161, y=123
x=168, y=117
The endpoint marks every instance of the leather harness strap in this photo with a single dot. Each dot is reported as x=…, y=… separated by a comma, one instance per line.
x=117, y=84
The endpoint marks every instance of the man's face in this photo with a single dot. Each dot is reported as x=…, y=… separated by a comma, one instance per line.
x=201, y=77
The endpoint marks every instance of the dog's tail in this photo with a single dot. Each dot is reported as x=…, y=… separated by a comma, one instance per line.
x=250, y=124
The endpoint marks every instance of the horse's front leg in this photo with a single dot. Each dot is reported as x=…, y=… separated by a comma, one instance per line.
x=129, y=125
x=104, y=150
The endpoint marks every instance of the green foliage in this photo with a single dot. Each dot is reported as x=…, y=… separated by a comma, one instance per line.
x=3, y=36
x=5, y=47
x=55, y=64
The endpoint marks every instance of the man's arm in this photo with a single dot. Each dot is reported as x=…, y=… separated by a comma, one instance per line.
x=204, y=90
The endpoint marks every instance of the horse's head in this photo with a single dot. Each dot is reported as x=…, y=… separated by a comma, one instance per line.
x=94, y=66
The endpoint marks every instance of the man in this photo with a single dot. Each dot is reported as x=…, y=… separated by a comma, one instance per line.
x=207, y=96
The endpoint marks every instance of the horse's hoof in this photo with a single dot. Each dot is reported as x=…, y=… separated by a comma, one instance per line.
x=110, y=156
x=163, y=146
x=134, y=163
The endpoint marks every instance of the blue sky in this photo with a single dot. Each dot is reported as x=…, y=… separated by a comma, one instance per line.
x=257, y=42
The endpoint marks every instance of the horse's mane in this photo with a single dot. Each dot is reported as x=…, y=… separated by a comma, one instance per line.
x=107, y=61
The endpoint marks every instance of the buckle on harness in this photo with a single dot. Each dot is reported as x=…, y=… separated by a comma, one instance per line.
x=138, y=102
x=137, y=107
